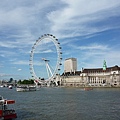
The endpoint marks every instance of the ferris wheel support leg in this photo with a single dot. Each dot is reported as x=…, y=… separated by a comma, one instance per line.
x=56, y=83
x=47, y=70
x=50, y=70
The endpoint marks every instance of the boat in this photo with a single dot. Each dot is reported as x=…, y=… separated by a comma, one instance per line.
x=5, y=112
x=22, y=89
x=25, y=88
x=88, y=88
x=32, y=88
x=2, y=86
x=10, y=86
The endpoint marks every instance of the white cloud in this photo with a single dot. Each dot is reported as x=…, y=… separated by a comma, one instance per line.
x=94, y=47
x=95, y=59
x=7, y=53
x=24, y=62
x=21, y=62
x=75, y=18
x=47, y=51
x=19, y=69
x=92, y=55
x=71, y=21
x=8, y=44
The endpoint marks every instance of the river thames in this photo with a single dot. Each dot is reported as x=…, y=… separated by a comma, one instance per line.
x=66, y=103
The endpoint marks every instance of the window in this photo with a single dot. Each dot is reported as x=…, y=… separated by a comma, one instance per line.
x=104, y=81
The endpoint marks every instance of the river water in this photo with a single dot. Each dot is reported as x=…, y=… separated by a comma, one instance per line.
x=66, y=103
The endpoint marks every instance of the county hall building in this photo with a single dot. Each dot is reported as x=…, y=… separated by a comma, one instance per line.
x=97, y=77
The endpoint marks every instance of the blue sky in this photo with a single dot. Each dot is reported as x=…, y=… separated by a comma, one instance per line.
x=88, y=30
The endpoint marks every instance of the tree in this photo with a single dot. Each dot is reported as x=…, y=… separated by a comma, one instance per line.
x=10, y=81
x=26, y=81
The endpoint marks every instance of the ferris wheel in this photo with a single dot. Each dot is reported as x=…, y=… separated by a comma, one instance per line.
x=51, y=72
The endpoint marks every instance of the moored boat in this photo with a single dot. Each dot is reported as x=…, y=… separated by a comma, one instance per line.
x=5, y=112
x=10, y=86
x=2, y=86
x=22, y=89
x=32, y=88
x=88, y=88
x=25, y=88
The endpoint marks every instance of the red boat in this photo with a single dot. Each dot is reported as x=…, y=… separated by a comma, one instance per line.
x=88, y=88
x=5, y=112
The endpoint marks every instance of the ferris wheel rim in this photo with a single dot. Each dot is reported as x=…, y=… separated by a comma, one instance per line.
x=59, y=55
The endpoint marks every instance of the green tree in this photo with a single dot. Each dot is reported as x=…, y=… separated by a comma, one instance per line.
x=10, y=81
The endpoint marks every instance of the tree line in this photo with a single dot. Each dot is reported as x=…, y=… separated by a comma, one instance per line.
x=25, y=82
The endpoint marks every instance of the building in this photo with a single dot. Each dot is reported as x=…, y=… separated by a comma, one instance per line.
x=94, y=77
x=70, y=65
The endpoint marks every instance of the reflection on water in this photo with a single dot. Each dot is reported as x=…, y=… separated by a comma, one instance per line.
x=66, y=104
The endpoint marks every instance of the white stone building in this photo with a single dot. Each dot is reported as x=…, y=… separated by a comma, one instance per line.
x=97, y=77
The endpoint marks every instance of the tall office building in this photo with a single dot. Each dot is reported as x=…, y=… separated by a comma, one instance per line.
x=70, y=65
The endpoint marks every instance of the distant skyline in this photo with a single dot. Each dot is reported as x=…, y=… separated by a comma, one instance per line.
x=88, y=30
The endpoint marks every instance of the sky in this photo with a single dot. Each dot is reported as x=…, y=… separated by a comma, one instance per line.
x=88, y=30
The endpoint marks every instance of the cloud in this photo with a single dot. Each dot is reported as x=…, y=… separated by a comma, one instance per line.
x=78, y=24
x=19, y=69
x=7, y=53
x=92, y=55
x=21, y=62
x=94, y=47
x=24, y=62
x=75, y=19
x=67, y=18
x=47, y=51
x=4, y=75
x=95, y=59
x=7, y=44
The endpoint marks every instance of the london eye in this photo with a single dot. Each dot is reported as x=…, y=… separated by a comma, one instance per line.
x=45, y=58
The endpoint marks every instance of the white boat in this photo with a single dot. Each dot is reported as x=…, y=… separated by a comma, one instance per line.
x=2, y=86
x=25, y=88
x=22, y=88
x=32, y=88
x=10, y=86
